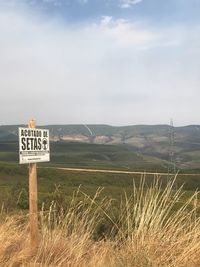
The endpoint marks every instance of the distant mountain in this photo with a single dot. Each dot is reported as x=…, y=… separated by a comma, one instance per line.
x=152, y=140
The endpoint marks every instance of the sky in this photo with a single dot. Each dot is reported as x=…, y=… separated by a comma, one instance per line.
x=117, y=62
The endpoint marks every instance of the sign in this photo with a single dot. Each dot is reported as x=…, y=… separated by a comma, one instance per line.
x=33, y=145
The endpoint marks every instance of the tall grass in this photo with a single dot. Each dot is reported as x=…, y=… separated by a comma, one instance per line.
x=150, y=228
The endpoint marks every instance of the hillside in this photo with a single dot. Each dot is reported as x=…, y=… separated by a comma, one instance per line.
x=143, y=139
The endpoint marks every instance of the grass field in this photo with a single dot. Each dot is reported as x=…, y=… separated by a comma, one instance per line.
x=145, y=230
x=59, y=185
x=99, y=219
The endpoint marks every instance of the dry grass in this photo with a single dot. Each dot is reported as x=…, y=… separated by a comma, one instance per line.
x=148, y=232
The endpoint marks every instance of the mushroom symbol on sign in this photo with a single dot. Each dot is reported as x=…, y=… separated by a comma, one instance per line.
x=44, y=142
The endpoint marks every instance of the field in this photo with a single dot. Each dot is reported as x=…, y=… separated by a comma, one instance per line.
x=146, y=229
x=61, y=184
x=99, y=219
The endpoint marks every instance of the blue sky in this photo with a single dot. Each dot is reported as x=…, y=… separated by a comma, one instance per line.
x=75, y=11
x=100, y=61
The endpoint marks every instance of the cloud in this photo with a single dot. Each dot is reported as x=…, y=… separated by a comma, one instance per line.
x=112, y=71
x=126, y=33
x=128, y=3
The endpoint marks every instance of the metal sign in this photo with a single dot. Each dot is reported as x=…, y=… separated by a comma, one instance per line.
x=33, y=145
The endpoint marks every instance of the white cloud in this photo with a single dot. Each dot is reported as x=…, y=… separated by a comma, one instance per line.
x=129, y=3
x=115, y=71
x=126, y=33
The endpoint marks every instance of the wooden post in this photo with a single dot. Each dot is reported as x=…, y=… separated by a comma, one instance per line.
x=33, y=202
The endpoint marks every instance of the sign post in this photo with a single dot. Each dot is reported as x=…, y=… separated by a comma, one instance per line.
x=33, y=147
x=33, y=201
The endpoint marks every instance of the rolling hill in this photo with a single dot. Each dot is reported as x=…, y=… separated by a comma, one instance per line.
x=145, y=140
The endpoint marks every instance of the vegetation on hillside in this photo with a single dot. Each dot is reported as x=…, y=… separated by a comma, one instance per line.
x=89, y=155
x=147, y=140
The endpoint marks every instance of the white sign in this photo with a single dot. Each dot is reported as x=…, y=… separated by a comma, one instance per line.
x=33, y=145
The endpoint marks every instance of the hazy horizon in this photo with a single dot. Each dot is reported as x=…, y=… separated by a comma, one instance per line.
x=99, y=124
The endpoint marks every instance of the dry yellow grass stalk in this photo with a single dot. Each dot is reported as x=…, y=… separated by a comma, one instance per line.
x=149, y=232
